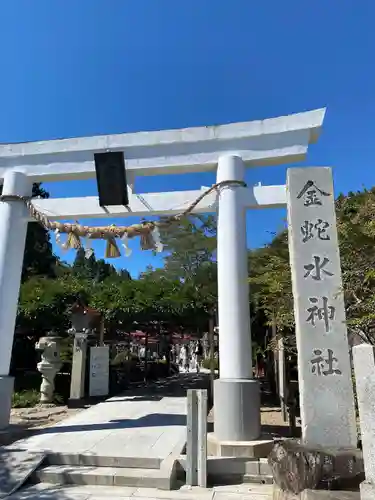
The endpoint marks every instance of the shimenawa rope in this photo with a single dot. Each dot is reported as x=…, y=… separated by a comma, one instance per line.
x=147, y=230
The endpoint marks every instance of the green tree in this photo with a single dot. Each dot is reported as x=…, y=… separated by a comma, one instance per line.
x=356, y=225
x=270, y=276
x=188, y=244
x=44, y=303
x=96, y=270
x=84, y=267
x=39, y=259
x=270, y=281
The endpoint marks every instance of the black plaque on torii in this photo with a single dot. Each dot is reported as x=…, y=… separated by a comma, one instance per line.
x=111, y=178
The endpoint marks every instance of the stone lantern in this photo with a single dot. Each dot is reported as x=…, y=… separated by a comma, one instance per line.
x=50, y=364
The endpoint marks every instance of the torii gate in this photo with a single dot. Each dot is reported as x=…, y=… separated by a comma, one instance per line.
x=227, y=148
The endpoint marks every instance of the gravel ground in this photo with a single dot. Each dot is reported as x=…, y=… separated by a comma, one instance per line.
x=26, y=421
x=41, y=415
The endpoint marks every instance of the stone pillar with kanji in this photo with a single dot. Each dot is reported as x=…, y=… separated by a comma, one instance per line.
x=324, y=369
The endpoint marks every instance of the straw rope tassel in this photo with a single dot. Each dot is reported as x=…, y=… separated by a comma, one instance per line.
x=147, y=241
x=73, y=241
x=111, y=249
x=147, y=230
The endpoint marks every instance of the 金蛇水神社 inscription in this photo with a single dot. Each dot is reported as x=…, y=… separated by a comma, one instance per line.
x=325, y=312
x=324, y=365
x=317, y=269
x=324, y=370
x=316, y=229
x=311, y=194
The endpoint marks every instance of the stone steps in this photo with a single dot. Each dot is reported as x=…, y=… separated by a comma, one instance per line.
x=103, y=476
x=92, y=460
x=91, y=469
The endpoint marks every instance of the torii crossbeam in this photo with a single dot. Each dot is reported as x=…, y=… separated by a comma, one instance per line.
x=146, y=204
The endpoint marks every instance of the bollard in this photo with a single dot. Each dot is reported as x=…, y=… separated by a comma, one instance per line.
x=364, y=368
x=202, y=438
x=196, y=449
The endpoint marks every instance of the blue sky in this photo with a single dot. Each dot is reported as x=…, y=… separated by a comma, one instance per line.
x=76, y=68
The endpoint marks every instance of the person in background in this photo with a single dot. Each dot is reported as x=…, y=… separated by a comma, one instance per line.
x=184, y=356
x=173, y=354
x=198, y=356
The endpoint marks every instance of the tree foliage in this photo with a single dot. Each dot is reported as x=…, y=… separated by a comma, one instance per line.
x=270, y=276
x=356, y=225
x=182, y=295
x=190, y=246
x=189, y=243
x=39, y=259
x=95, y=270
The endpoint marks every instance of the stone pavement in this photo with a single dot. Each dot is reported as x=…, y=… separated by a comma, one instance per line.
x=130, y=440
x=51, y=492
x=143, y=423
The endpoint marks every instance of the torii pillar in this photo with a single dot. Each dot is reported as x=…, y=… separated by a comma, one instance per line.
x=236, y=393
x=14, y=218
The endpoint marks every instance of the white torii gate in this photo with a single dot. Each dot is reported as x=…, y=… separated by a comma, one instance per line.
x=227, y=148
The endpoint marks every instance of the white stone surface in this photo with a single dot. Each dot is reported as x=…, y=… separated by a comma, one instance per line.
x=13, y=228
x=121, y=426
x=325, y=384
x=267, y=142
x=236, y=492
x=99, y=371
x=367, y=490
x=364, y=366
x=146, y=204
x=233, y=287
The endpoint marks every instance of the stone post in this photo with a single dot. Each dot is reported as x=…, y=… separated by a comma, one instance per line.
x=77, y=382
x=13, y=227
x=202, y=438
x=364, y=366
x=211, y=351
x=283, y=383
x=192, y=438
x=237, y=395
x=196, y=443
x=325, y=383
x=49, y=365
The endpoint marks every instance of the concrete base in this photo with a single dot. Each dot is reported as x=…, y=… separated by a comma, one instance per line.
x=259, y=448
x=233, y=470
x=367, y=490
x=237, y=409
x=279, y=494
x=6, y=392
